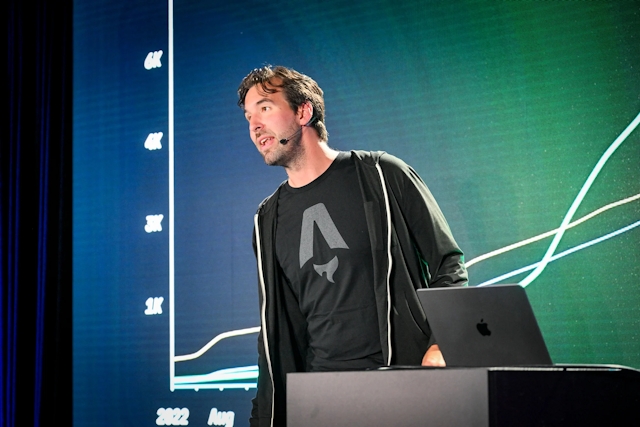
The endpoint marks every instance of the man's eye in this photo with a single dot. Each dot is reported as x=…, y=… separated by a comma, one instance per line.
x=266, y=108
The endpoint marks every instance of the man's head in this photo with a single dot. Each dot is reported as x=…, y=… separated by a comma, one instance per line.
x=297, y=89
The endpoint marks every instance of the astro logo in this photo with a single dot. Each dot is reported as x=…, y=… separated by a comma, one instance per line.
x=318, y=215
x=221, y=418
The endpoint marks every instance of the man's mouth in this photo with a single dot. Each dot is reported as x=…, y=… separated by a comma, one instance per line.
x=263, y=141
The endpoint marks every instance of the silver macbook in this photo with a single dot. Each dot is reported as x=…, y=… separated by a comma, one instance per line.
x=486, y=326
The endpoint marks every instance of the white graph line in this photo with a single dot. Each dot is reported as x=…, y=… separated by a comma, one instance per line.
x=576, y=203
x=550, y=233
x=561, y=254
x=216, y=340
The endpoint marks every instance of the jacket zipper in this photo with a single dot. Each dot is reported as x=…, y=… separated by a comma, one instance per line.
x=389, y=258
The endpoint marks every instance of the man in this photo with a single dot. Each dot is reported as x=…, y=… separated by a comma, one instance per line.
x=341, y=247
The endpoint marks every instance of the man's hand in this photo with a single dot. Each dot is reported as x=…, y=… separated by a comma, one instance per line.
x=433, y=357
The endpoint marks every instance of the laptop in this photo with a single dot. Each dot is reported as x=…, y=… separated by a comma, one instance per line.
x=489, y=326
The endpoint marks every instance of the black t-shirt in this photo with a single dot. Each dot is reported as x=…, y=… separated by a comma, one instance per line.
x=323, y=247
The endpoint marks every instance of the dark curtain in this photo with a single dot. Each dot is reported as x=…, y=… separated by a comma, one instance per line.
x=35, y=215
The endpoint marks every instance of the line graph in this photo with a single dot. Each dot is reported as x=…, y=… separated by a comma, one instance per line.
x=229, y=378
x=560, y=255
x=232, y=378
x=550, y=233
x=576, y=203
x=566, y=224
x=245, y=377
x=216, y=340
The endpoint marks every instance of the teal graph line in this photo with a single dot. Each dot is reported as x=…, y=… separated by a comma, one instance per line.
x=229, y=378
x=561, y=255
x=221, y=379
x=576, y=203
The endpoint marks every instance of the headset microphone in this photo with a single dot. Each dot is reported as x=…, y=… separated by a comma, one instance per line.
x=283, y=141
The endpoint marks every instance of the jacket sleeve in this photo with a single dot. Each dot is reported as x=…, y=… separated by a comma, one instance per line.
x=255, y=405
x=263, y=378
x=442, y=259
x=254, y=420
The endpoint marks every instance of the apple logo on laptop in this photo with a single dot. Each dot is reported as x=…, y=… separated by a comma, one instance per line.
x=483, y=328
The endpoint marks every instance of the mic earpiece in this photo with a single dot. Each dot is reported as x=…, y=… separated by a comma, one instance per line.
x=311, y=121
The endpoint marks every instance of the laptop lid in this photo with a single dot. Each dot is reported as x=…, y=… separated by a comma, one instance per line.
x=485, y=326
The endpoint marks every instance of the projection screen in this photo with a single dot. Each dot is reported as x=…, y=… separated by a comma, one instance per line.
x=520, y=116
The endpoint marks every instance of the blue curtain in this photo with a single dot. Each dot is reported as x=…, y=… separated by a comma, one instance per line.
x=35, y=216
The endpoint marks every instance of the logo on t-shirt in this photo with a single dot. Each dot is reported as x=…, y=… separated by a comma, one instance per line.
x=318, y=215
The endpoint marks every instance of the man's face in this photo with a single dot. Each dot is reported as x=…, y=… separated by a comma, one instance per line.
x=271, y=119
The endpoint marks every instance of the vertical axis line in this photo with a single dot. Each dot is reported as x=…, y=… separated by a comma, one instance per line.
x=172, y=349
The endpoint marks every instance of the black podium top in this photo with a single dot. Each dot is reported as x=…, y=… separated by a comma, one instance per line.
x=555, y=395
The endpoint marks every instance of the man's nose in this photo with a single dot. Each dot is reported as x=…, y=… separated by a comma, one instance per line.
x=255, y=125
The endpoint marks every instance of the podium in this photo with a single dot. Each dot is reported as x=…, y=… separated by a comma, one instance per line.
x=557, y=395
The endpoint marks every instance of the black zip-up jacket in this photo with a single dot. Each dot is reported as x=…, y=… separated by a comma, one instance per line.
x=412, y=247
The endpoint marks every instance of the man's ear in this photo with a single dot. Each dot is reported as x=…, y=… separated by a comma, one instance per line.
x=305, y=113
